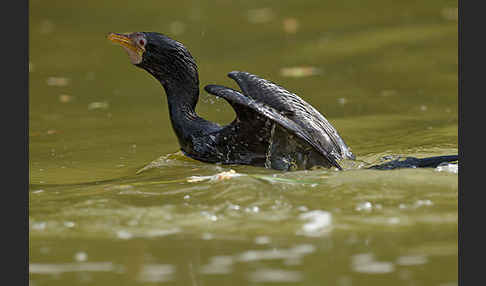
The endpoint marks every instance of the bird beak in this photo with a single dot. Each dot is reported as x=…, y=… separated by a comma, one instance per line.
x=134, y=51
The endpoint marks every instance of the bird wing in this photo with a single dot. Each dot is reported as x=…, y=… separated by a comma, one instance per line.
x=320, y=132
x=246, y=107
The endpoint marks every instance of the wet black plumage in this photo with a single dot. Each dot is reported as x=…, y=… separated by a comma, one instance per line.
x=273, y=127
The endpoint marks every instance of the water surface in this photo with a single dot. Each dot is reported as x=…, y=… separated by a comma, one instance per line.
x=383, y=73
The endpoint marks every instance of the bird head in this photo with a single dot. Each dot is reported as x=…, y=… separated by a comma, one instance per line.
x=166, y=59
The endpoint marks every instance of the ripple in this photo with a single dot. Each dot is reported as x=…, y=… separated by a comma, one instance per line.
x=291, y=254
x=375, y=267
x=218, y=265
x=318, y=222
x=156, y=273
x=256, y=255
x=262, y=240
x=365, y=206
x=275, y=275
x=81, y=256
x=411, y=260
x=39, y=225
x=217, y=177
x=46, y=268
x=448, y=168
x=125, y=234
x=366, y=263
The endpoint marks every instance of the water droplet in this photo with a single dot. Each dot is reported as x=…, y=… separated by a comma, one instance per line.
x=366, y=206
x=262, y=240
x=81, y=256
x=123, y=234
x=290, y=25
x=207, y=236
x=57, y=81
x=69, y=224
x=318, y=222
x=39, y=225
x=411, y=260
x=98, y=105
x=342, y=100
x=394, y=220
x=65, y=98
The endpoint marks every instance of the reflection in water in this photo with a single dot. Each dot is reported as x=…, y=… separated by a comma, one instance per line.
x=262, y=240
x=318, y=222
x=156, y=273
x=274, y=275
x=291, y=254
x=124, y=234
x=451, y=168
x=47, y=268
x=366, y=263
x=411, y=260
x=218, y=265
x=217, y=177
x=81, y=256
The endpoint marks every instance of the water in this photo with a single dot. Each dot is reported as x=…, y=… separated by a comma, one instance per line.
x=383, y=73
x=268, y=162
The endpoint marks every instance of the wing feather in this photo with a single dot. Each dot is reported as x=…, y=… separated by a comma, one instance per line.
x=318, y=128
x=243, y=104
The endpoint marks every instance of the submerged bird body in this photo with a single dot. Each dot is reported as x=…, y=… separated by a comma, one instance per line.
x=273, y=128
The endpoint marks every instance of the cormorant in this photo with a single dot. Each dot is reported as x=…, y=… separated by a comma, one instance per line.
x=274, y=128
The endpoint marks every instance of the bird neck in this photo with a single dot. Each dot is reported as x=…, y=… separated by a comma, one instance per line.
x=182, y=98
x=186, y=124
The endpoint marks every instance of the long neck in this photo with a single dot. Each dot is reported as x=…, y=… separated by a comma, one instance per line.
x=181, y=83
x=182, y=100
x=182, y=94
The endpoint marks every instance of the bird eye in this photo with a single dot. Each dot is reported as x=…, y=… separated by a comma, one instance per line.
x=141, y=42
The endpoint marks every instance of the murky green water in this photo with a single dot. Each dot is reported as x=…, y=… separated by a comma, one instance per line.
x=383, y=72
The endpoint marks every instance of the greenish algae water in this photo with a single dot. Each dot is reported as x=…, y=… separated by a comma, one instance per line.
x=385, y=75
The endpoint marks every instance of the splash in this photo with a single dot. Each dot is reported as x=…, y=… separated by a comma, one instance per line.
x=217, y=177
x=268, y=162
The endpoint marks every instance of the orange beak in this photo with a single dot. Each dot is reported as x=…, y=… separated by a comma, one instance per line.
x=126, y=42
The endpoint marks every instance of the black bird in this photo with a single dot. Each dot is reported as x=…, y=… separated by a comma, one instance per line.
x=273, y=128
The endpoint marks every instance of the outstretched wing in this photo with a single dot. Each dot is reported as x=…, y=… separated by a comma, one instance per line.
x=246, y=108
x=319, y=131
